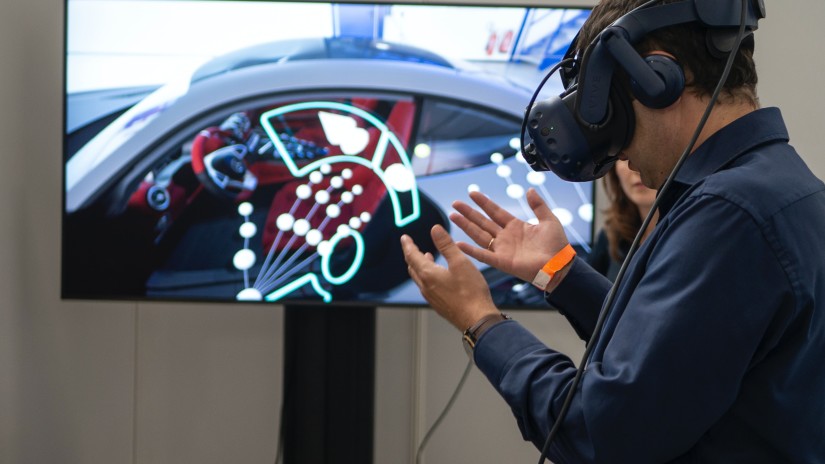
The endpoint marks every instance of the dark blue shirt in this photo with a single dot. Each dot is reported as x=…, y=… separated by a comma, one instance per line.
x=714, y=351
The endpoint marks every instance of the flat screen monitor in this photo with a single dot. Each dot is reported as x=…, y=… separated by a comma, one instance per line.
x=273, y=151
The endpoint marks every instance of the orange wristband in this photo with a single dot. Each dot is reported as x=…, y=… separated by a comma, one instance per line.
x=556, y=263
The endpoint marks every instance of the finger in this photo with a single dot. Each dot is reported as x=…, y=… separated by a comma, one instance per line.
x=416, y=278
x=539, y=207
x=412, y=255
x=480, y=254
x=445, y=245
x=476, y=233
x=415, y=259
x=498, y=214
x=474, y=217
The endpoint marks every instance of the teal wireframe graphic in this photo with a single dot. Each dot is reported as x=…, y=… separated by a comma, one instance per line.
x=283, y=274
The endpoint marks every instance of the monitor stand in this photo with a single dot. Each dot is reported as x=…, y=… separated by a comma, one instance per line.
x=329, y=384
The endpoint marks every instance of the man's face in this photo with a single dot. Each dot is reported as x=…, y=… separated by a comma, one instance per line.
x=654, y=149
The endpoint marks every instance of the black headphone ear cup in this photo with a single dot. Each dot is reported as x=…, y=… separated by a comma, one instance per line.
x=671, y=74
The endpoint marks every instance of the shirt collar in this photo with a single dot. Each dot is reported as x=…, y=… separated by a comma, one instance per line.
x=729, y=143
x=732, y=141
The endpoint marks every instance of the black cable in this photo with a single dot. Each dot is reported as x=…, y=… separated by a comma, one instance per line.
x=444, y=412
x=606, y=307
x=279, y=450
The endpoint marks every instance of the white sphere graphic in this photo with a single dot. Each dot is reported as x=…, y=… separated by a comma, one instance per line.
x=333, y=211
x=536, y=178
x=249, y=294
x=248, y=230
x=244, y=259
x=314, y=237
x=515, y=191
x=245, y=208
x=399, y=177
x=285, y=222
x=303, y=191
x=586, y=212
x=322, y=197
x=564, y=215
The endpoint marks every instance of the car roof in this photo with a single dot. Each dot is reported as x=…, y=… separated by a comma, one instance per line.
x=318, y=48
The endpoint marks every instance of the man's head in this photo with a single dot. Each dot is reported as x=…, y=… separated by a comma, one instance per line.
x=660, y=135
x=644, y=74
x=687, y=44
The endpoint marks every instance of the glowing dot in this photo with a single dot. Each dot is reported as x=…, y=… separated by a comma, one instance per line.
x=586, y=212
x=347, y=197
x=520, y=158
x=301, y=227
x=314, y=237
x=473, y=188
x=333, y=211
x=536, y=178
x=326, y=169
x=249, y=294
x=564, y=215
x=519, y=287
x=399, y=177
x=324, y=248
x=303, y=191
x=503, y=170
x=344, y=229
x=515, y=191
x=245, y=208
x=244, y=259
x=316, y=177
x=322, y=197
x=497, y=158
x=355, y=223
x=285, y=222
x=357, y=189
x=248, y=230
x=337, y=182
x=515, y=143
x=366, y=217
x=422, y=150
x=346, y=173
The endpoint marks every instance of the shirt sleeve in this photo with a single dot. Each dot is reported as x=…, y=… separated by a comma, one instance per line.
x=579, y=297
x=674, y=352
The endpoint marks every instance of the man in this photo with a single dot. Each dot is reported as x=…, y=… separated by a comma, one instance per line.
x=713, y=349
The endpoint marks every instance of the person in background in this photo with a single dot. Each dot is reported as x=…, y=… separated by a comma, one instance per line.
x=630, y=202
x=712, y=350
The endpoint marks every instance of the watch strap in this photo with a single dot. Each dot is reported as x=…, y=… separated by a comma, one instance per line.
x=472, y=334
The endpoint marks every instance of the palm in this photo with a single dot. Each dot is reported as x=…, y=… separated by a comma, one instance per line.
x=519, y=248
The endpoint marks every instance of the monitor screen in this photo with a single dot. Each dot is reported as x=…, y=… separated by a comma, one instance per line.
x=272, y=151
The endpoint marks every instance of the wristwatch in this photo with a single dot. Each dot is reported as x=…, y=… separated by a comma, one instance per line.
x=471, y=335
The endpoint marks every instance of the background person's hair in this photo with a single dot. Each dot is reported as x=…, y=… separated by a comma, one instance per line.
x=622, y=219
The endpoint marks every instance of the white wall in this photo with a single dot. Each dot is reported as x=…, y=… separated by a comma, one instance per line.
x=104, y=382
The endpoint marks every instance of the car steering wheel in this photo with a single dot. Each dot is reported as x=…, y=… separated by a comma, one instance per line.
x=219, y=167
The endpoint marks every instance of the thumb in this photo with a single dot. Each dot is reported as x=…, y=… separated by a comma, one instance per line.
x=445, y=243
x=538, y=206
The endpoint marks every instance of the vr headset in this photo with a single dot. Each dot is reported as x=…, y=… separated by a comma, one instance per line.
x=579, y=134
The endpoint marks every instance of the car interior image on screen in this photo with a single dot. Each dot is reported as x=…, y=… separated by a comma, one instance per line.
x=271, y=151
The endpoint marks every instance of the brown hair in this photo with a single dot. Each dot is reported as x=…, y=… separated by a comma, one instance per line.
x=688, y=44
x=622, y=219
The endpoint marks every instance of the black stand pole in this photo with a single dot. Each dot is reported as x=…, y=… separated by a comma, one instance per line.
x=329, y=378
